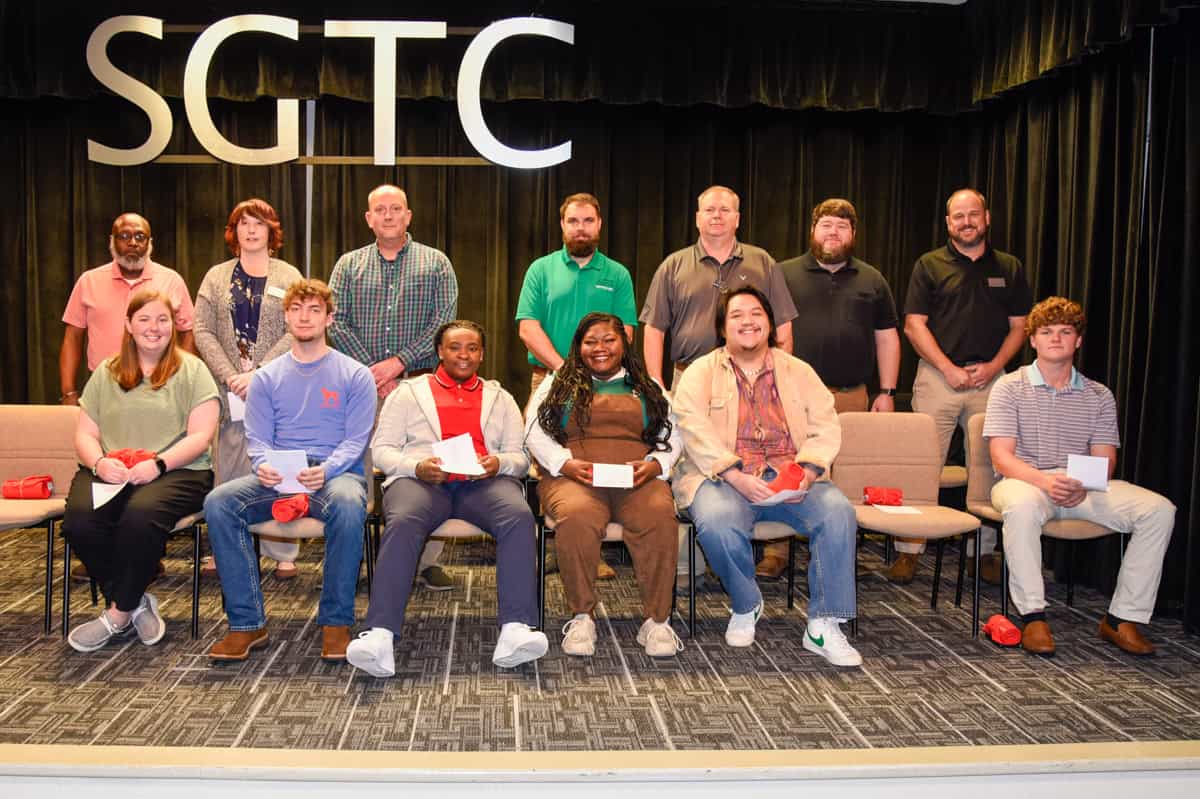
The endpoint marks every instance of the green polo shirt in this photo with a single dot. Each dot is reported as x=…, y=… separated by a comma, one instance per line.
x=558, y=292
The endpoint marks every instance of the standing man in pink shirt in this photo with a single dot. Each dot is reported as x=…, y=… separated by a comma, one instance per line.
x=98, y=301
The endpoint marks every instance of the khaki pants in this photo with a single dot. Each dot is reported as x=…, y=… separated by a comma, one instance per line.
x=582, y=512
x=1124, y=507
x=933, y=396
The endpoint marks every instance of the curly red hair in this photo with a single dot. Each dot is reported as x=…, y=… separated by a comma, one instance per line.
x=1055, y=311
x=263, y=212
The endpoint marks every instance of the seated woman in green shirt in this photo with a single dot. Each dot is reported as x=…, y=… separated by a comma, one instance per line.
x=147, y=418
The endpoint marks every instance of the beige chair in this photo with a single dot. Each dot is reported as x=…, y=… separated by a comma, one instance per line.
x=900, y=450
x=980, y=479
x=38, y=439
x=309, y=527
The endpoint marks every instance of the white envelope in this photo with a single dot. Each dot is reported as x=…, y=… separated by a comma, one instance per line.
x=783, y=496
x=1090, y=470
x=102, y=493
x=458, y=455
x=289, y=463
x=237, y=407
x=612, y=475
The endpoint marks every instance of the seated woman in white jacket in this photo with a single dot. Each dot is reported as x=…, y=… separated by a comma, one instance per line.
x=419, y=495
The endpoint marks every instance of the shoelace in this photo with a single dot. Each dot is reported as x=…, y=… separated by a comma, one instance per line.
x=570, y=625
x=674, y=635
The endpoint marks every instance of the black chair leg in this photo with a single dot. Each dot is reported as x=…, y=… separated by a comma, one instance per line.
x=854, y=622
x=937, y=572
x=66, y=595
x=692, y=577
x=196, y=581
x=791, y=602
x=1070, y=574
x=962, y=568
x=541, y=578
x=369, y=556
x=975, y=588
x=49, y=610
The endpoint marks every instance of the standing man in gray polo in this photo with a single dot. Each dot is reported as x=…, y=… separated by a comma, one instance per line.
x=965, y=317
x=848, y=330
x=688, y=286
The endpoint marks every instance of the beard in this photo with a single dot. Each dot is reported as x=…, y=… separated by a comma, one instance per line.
x=976, y=237
x=132, y=263
x=830, y=256
x=581, y=248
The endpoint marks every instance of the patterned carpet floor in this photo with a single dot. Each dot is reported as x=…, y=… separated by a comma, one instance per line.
x=925, y=681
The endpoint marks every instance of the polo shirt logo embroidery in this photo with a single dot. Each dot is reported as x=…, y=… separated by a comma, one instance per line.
x=329, y=399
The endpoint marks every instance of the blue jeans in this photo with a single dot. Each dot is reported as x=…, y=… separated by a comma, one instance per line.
x=725, y=520
x=230, y=509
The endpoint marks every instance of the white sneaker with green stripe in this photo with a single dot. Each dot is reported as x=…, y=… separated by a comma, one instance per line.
x=824, y=636
x=740, y=631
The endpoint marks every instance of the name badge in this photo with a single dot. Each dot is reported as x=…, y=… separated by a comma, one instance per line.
x=603, y=287
x=275, y=291
x=996, y=282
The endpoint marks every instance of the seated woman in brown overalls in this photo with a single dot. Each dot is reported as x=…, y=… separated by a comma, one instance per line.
x=602, y=408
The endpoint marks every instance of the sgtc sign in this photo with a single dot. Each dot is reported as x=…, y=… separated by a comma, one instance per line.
x=383, y=33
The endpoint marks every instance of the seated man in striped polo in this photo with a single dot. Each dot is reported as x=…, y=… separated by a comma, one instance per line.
x=1036, y=417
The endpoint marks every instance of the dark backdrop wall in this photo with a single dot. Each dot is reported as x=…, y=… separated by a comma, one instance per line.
x=1047, y=107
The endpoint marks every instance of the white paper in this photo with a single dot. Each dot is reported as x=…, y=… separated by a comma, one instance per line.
x=1090, y=470
x=898, y=510
x=612, y=475
x=237, y=407
x=103, y=492
x=787, y=495
x=458, y=455
x=289, y=463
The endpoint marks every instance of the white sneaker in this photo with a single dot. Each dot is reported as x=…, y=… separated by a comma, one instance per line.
x=372, y=652
x=579, y=636
x=740, y=631
x=659, y=640
x=518, y=644
x=825, y=637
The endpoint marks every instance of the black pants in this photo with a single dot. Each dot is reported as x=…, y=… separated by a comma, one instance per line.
x=122, y=541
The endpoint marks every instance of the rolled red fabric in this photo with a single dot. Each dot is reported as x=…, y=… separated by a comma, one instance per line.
x=38, y=486
x=131, y=457
x=876, y=495
x=289, y=509
x=789, y=479
x=1002, y=631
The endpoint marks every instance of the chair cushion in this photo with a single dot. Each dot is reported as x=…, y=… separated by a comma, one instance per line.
x=457, y=528
x=301, y=528
x=772, y=531
x=185, y=524
x=984, y=510
x=613, y=532
x=1074, y=529
x=27, y=512
x=933, y=522
x=953, y=477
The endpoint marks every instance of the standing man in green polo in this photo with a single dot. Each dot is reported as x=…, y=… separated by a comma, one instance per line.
x=563, y=286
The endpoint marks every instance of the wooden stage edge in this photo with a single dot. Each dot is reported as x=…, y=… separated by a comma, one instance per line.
x=208, y=763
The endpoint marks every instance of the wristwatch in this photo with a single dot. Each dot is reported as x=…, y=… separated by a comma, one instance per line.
x=162, y=466
x=887, y=392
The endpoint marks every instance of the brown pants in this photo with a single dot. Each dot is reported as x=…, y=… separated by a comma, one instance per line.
x=648, y=515
x=843, y=402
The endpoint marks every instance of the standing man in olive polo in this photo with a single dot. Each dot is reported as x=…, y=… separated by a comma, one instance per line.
x=562, y=287
x=848, y=328
x=965, y=317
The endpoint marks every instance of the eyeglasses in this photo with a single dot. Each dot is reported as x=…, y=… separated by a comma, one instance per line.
x=126, y=236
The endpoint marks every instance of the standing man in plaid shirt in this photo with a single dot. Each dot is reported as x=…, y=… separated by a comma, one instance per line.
x=392, y=296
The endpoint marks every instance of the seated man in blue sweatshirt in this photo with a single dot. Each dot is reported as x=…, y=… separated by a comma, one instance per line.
x=320, y=401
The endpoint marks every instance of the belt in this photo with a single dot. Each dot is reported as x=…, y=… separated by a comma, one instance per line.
x=845, y=389
x=540, y=370
x=965, y=364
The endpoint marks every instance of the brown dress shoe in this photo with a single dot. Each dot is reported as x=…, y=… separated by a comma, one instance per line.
x=1037, y=638
x=1127, y=637
x=236, y=644
x=770, y=567
x=902, y=569
x=334, y=640
x=604, y=571
x=79, y=573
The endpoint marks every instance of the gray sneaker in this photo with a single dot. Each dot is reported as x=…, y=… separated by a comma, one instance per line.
x=95, y=634
x=145, y=619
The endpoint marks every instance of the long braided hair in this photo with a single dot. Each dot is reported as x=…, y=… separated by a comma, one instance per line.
x=572, y=388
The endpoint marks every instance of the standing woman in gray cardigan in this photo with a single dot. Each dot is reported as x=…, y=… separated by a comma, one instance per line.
x=239, y=326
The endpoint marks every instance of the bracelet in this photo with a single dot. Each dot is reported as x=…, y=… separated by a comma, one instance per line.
x=96, y=465
x=887, y=392
x=66, y=394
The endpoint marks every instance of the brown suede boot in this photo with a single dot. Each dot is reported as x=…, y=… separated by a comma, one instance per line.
x=334, y=640
x=236, y=644
x=902, y=569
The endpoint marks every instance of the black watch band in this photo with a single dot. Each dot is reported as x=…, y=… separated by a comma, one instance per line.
x=888, y=392
x=162, y=466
